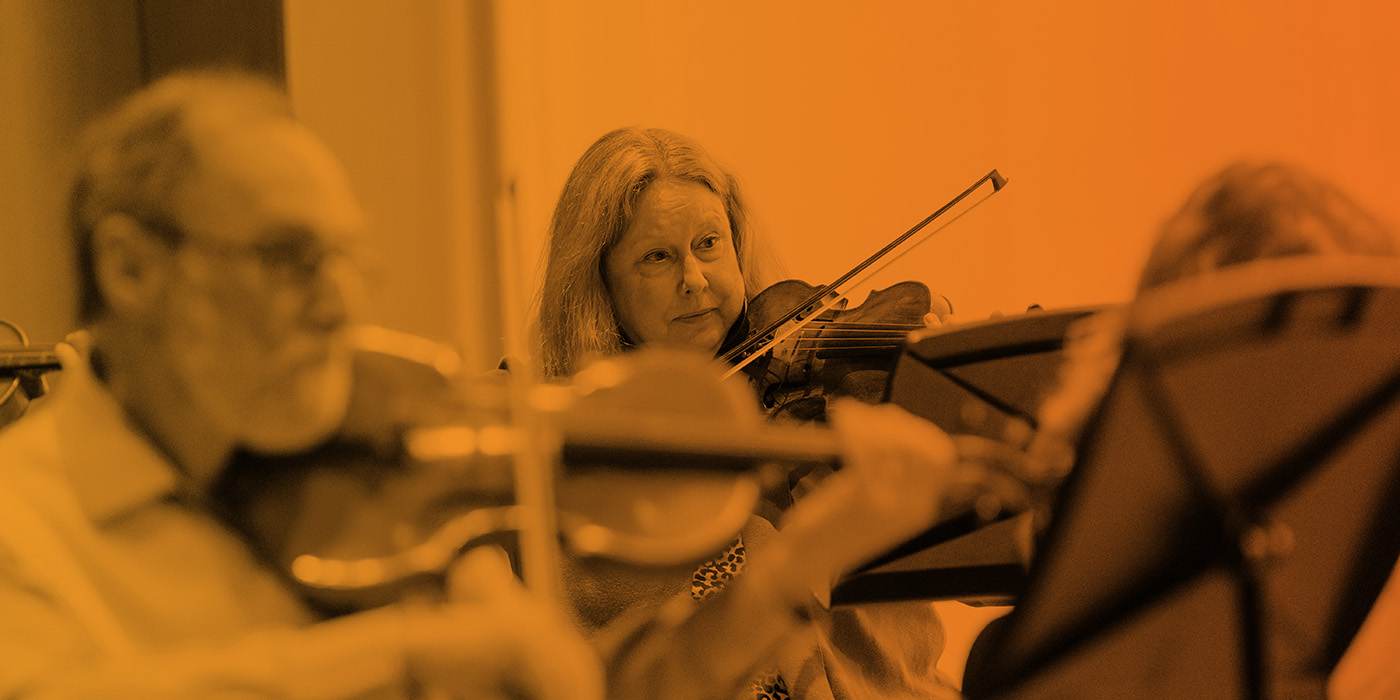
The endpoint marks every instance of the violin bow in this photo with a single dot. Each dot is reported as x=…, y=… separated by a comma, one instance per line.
x=829, y=296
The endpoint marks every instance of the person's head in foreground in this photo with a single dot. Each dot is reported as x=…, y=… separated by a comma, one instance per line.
x=1246, y=212
x=214, y=235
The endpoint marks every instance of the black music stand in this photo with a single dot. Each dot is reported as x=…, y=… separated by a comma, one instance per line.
x=983, y=378
x=986, y=379
x=1230, y=520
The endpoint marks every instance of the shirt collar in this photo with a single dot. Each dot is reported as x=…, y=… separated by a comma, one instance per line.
x=113, y=467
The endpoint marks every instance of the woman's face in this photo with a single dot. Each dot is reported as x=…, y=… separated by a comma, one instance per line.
x=674, y=275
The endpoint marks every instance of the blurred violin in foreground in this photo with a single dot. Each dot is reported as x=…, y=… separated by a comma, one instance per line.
x=423, y=471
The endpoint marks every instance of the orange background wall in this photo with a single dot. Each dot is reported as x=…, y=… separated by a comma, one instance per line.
x=60, y=62
x=847, y=123
x=400, y=91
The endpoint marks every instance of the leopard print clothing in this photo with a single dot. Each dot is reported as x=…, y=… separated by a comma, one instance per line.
x=770, y=686
x=713, y=574
x=711, y=577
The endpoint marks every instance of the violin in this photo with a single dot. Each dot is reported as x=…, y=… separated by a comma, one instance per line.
x=21, y=372
x=843, y=352
x=360, y=493
x=420, y=472
x=805, y=344
x=422, y=469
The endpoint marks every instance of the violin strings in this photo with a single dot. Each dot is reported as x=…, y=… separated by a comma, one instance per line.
x=848, y=347
x=819, y=347
x=871, y=343
x=816, y=328
x=873, y=326
x=851, y=335
x=838, y=330
x=883, y=338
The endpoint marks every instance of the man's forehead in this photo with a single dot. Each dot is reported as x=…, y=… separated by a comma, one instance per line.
x=268, y=175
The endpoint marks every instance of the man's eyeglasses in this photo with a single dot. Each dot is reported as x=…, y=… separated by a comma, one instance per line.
x=291, y=257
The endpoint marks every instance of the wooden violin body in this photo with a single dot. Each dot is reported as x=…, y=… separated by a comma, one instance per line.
x=360, y=494
x=843, y=352
x=409, y=481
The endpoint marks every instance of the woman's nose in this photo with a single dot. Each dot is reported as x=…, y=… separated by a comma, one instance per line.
x=693, y=276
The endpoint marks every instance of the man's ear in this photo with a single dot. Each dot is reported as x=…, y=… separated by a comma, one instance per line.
x=130, y=264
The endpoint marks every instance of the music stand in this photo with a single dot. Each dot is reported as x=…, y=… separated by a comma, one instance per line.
x=1230, y=518
x=986, y=379
x=983, y=378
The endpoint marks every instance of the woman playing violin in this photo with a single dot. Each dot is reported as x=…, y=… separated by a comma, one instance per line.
x=650, y=245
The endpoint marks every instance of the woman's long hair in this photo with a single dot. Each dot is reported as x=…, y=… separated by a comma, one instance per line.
x=575, y=319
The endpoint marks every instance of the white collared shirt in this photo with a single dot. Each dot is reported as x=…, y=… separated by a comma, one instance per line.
x=106, y=571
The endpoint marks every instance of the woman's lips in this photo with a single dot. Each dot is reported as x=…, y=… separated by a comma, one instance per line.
x=698, y=315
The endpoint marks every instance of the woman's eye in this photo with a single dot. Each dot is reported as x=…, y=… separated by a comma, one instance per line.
x=709, y=241
x=655, y=256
